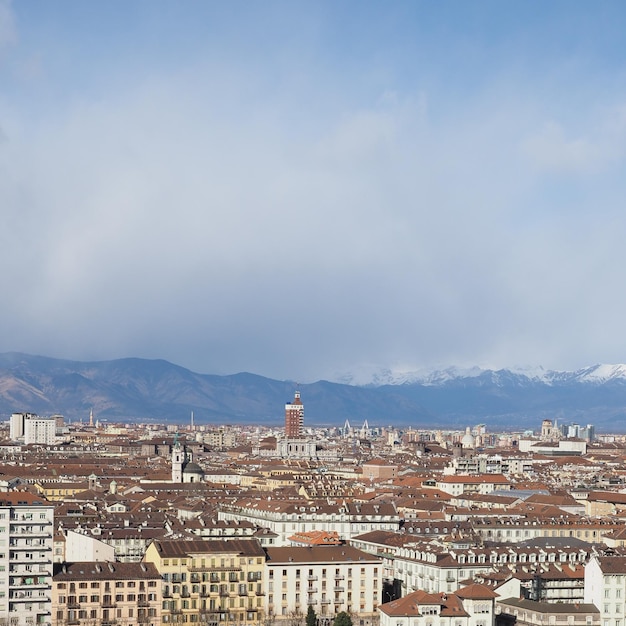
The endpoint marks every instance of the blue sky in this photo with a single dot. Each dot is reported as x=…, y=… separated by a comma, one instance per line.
x=299, y=189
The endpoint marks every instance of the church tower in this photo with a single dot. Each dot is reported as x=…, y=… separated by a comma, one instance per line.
x=178, y=461
x=294, y=417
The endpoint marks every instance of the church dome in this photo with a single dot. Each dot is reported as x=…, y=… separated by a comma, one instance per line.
x=468, y=439
x=193, y=468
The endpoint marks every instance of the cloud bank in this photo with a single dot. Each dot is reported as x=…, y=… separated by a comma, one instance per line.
x=303, y=202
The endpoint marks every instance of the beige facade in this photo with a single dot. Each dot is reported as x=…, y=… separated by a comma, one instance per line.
x=210, y=581
x=103, y=594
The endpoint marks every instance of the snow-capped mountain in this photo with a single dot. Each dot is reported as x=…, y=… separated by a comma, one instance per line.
x=371, y=376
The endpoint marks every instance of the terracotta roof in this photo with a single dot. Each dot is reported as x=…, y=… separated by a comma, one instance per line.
x=476, y=592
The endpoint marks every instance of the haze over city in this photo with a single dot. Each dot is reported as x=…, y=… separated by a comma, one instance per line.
x=301, y=189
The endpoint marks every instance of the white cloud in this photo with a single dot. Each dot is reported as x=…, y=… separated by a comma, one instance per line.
x=551, y=150
x=8, y=29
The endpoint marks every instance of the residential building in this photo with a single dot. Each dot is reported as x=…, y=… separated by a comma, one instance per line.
x=524, y=612
x=102, y=594
x=213, y=581
x=41, y=430
x=331, y=579
x=26, y=525
x=470, y=606
x=348, y=519
x=605, y=586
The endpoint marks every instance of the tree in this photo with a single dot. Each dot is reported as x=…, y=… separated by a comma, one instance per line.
x=342, y=619
x=311, y=617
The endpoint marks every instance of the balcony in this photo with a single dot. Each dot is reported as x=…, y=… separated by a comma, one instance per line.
x=18, y=584
x=339, y=589
x=208, y=568
x=312, y=577
x=339, y=577
x=22, y=597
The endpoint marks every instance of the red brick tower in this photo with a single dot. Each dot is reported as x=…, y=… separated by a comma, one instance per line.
x=294, y=417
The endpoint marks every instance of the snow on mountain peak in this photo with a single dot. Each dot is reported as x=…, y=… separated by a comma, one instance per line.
x=601, y=373
x=376, y=376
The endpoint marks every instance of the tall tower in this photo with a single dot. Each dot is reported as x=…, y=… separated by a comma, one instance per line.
x=294, y=417
x=178, y=461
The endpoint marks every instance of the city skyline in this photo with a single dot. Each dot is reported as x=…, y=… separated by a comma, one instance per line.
x=300, y=190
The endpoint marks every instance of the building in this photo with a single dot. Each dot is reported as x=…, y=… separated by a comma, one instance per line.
x=16, y=425
x=470, y=606
x=184, y=470
x=605, y=587
x=379, y=470
x=348, y=519
x=40, y=430
x=524, y=612
x=483, y=484
x=212, y=581
x=294, y=418
x=331, y=579
x=84, y=547
x=99, y=594
x=26, y=525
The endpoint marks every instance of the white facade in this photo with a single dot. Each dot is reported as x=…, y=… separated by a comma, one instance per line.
x=16, y=425
x=25, y=562
x=331, y=579
x=82, y=547
x=605, y=587
x=347, y=520
x=39, y=430
x=476, y=608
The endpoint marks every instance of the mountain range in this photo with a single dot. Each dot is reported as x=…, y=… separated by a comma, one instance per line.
x=136, y=389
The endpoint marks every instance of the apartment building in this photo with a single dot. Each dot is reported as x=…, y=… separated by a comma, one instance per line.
x=435, y=568
x=470, y=606
x=103, y=594
x=510, y=529
x=26, y=537
x=485, y=483
x=212, y=581
x=348, y=519
x=331, y=579
x=605, y=587
x=524, y=612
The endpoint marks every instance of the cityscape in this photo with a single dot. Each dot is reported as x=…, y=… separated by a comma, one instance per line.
x=312, y=313
x=133, y=524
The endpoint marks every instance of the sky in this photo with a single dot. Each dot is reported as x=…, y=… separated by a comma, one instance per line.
x=301, y=189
